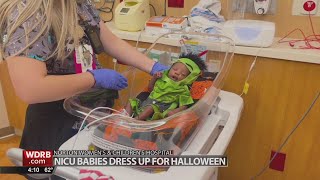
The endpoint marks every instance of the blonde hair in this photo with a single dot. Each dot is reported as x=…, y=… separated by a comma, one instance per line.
x=58, y=16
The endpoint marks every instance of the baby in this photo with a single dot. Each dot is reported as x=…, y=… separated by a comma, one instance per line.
x=170, y=93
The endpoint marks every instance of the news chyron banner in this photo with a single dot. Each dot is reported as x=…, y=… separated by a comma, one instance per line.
x=44, y=161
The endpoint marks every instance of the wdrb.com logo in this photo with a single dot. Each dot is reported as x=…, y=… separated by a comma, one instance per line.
x=37, y=158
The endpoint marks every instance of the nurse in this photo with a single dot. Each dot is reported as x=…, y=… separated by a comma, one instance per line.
x=49, y=47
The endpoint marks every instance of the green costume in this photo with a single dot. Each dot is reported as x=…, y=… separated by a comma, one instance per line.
x=167, y=91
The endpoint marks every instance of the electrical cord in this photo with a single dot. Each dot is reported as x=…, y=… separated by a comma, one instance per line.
x=131, y=68
x=308, y=42
x=134, y=69
x=287, y=138
x=154, y=9
x=138, y=40
x=102, y=6
x=107, y=9
x=165, y=8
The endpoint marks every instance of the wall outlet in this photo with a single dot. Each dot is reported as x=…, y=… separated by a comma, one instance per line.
x=303, y=7
x=239, y=7
x=176, y=3
x=309, y=6
x=261, y=6
x=278, y=162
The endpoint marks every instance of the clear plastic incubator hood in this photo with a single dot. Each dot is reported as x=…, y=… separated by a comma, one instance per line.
x=175, y=133
x=204, y=128
x=115, y=131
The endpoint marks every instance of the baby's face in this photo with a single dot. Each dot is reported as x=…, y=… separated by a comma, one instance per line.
x=178, y=72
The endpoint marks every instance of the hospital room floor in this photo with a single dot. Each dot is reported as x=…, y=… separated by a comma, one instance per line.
x=5, y=144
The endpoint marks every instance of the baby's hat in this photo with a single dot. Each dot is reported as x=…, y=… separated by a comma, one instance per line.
x=193, y=68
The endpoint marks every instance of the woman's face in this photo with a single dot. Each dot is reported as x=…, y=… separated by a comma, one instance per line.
x=178, y=72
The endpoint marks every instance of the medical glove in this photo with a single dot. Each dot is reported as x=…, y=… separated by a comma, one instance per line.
x=108, y=79
x=158, y=67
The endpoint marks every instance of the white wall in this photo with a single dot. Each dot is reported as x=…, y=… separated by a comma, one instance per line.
x=4, y=122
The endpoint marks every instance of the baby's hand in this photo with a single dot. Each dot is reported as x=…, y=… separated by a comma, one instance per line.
x=157, y=75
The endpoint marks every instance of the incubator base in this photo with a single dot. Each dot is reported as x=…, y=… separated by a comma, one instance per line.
x=212, y=139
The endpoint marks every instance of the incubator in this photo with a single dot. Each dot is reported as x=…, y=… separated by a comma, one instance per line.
x=204, y=128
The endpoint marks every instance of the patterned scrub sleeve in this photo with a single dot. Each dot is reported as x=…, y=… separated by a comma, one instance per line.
x=40, y=50
x=87, y=11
